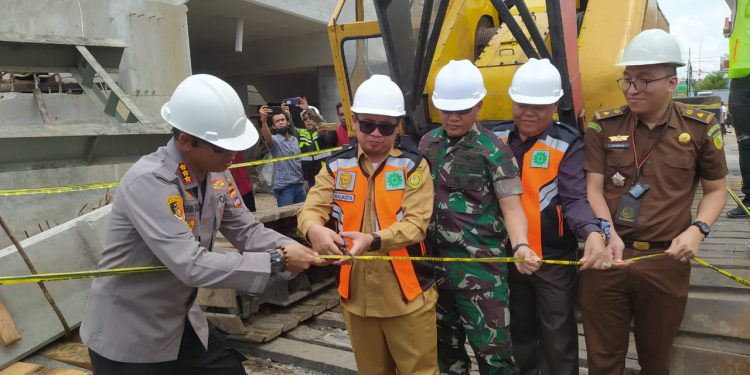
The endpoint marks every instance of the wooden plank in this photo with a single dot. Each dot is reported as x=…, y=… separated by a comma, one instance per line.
x=229, y=323
x=224, y=298
x=22, y=368
x=331, y=319
x=72, y=353
x=8, y=332
x=314, y=357
x=335, y=338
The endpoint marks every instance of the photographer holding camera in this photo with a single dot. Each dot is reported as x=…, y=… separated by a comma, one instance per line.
x=288, y=184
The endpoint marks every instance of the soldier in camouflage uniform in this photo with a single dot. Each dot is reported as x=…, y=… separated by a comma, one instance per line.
x=475, y=177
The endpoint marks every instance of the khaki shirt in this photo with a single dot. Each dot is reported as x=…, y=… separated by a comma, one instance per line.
x=374, y=289
x=690, y=148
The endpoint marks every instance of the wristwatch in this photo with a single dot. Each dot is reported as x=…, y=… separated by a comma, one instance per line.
x=375, y=245
x=278, y=263
x=605, y=227
x=703, y=227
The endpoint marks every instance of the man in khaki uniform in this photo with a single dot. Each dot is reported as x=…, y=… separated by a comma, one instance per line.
x=379, y=197
x=644, y=162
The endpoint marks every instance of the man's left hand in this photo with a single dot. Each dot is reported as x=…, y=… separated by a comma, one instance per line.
x=285, y=110
x=685, y=246
x=595, y=253
x=360, y=243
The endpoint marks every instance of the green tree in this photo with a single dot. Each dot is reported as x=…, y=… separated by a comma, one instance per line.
x=714, y=81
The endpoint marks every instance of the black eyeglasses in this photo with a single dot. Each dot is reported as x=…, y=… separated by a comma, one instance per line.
x=639, y=84
x=462, y=112
x=368, y=127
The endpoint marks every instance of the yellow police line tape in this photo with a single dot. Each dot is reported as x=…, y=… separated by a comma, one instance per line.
x=466, y=260
x=738, y=200
x=42, y=277
x=106, y=185
x=282, y=158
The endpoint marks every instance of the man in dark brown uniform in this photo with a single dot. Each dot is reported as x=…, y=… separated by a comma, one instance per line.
x=643, y=164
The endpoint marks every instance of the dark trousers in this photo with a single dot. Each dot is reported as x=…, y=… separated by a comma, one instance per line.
x=653, y=293
x=193, y=359
x=249, y=200
x=542, y=320
x=739, y=108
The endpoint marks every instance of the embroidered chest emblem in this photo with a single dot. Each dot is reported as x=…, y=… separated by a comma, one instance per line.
x=345, y=181
x=540, y=159
x=618, y=138
x=218, y=184
x=394, y=180
x=175, y=205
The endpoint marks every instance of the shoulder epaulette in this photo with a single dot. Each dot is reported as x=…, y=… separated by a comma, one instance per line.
x=697, y=114
x=502, y=126
x=608, y=113
x=570, y=130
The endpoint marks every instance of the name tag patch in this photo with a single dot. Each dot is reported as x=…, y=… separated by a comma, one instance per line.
x=618, y=145
x=343, y=197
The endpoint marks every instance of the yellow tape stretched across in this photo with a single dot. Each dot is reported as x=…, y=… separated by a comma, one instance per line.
x=24, y=279
x=282, y=158
x=56, y=190
x=10, y=280
x=738, y=200
x=106, y=185
x=466, y=260
x=723, y=272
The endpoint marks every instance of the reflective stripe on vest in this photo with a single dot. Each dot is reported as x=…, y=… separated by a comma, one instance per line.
x=539, y=172
x=349, y=197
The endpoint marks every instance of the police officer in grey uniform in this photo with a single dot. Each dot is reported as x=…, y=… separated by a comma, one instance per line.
x=166, y=212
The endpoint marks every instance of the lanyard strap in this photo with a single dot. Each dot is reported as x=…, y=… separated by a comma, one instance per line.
x=639, y=164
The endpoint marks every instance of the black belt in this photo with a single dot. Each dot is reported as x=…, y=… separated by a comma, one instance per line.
x=647, y=245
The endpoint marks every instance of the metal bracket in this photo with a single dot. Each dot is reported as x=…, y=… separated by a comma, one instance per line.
x=85, y=70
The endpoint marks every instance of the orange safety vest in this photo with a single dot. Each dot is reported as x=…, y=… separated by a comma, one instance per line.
x=389, y=182
x=540, y=199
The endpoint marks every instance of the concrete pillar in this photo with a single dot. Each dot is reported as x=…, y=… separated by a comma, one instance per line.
x=328, y=93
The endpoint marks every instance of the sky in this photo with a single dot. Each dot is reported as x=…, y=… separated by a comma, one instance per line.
x=698, y=26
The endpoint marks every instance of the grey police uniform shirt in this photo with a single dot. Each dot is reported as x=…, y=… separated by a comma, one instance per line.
x=140, y=318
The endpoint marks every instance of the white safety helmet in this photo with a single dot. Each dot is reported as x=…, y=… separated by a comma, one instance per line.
x=208, y=108
x=458, y=85
x=378, y=95
x=653, y=46
x=536, y=82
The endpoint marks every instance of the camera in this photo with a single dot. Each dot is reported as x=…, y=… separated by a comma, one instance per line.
x=291, y=101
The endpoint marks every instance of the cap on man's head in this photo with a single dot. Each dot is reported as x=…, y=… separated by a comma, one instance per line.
x=459, y=85
x=378, y=95
x=650, y=47
x=536, y=82
x=208, y=108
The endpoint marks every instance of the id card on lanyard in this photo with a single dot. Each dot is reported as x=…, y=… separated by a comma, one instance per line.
x=630, y=203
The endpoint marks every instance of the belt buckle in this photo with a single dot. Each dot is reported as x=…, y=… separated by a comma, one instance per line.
x=641, y=245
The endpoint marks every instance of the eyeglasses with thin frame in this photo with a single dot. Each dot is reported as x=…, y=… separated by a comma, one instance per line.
x=462, y=112
x=367, y=127
x=639, y=84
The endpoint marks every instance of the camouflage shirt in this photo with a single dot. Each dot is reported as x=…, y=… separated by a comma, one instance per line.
x=471, y=175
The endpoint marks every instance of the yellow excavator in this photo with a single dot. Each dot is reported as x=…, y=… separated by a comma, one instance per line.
x=411, y=40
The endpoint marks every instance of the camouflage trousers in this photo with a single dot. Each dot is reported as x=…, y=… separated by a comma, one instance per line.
x=481, y=316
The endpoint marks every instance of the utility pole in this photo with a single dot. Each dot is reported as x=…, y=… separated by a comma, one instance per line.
x=689, y=79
